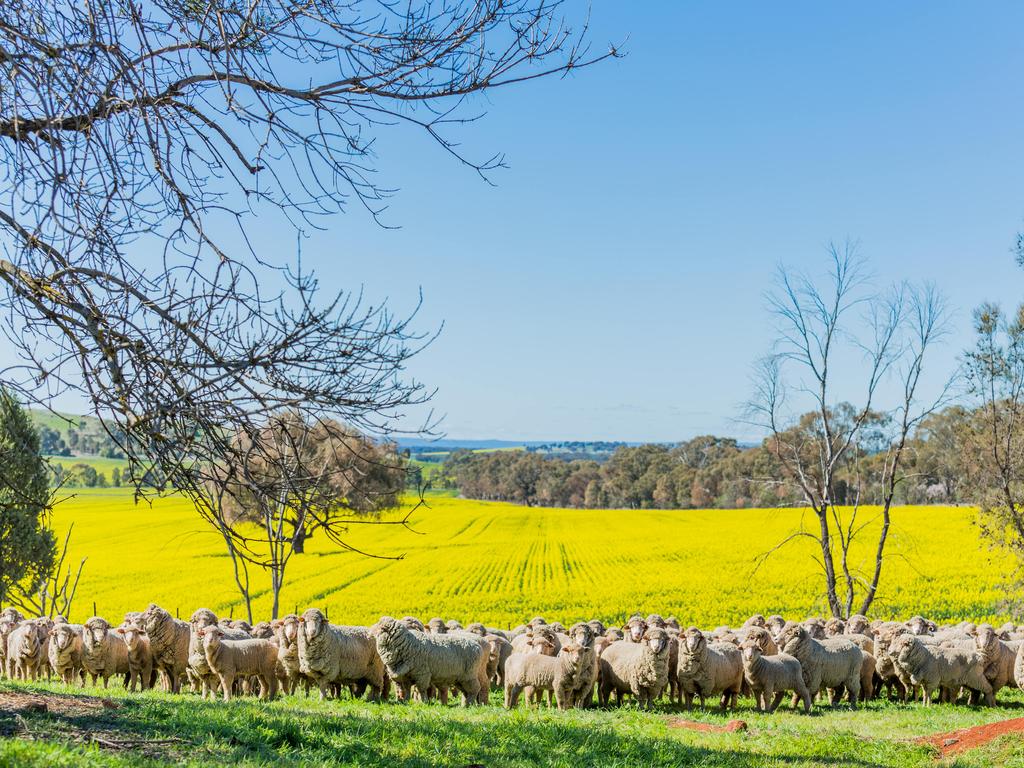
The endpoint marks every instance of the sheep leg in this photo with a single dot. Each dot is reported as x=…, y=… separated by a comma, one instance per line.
x=226, y=682
x=853, y=687
x=776, y=700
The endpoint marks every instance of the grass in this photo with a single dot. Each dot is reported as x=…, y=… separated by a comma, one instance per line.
x=296, y=730
x=99, y=463
x=502, y=564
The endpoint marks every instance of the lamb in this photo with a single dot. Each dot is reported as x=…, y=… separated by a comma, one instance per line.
x=834, y=663
x=339, y=655
x=231, y=659
x=168, y=641
x=935, y=667
x=25, y=653
x=587, y=669
x=140, y=656
x=537, y=673
x=998, y=657
x=769, y=677
x=524, y=643
x=707, y=670
x=104, y=653
x=198, y=669
x=424, y=660
x=66, y=652
x=637, y=668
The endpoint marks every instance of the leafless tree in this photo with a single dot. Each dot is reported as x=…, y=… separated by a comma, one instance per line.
x=138, y=139
x=827, y=338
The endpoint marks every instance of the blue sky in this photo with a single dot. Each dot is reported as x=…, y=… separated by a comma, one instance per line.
x=610, y=286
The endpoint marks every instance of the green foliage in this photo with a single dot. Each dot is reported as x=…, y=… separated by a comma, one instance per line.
x=27, y=547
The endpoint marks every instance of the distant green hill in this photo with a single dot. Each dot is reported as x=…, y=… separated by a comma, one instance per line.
x=68, y=435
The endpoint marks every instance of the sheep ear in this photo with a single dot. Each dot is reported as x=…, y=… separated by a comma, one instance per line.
x=120, y=630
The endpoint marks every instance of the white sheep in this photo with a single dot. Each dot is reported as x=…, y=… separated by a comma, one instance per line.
x=769, y=677
x=640, y=669
x=536, y=673
x=937, y=667
x=104, y=653
x=66, y=652
x=140, y=656
x=709, y=669
x=234, y=659
x=333, y=655
x=834, y=663
x=168, y=640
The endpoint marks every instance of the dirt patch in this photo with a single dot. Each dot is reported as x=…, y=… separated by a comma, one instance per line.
x=954, y=742
x=16, y=702
x=733, y=726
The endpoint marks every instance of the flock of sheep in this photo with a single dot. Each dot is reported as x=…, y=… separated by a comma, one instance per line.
x=647, y=658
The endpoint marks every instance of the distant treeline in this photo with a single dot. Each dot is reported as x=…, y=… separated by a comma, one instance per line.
x=710, y=471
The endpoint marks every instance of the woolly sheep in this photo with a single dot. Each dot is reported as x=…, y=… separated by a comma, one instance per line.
x=198, y=669
x=859, y=625
x=330, y=654
x=233, y=659
x=9, y=619
x=769, y=677
x=286, y=631
x=452, y=625
x=835, y=663
x=413, y=623
x=708, y=669
x=424, y=660
x=835, y=627
x=597, y=627
x=935, y=667
x=635, y=629
x=168, y=640
x=500, y=650
x=640, y=669
x=140, y=656
x=536, y=673
x=757, y=620
x=587, y=668
x=919, y=625
x=65, y=652
x=437, y=626
x=524, y=643
x=997, y=657
x=815, y=628
x=104, y=653
x=774, y=624
x=26, y=654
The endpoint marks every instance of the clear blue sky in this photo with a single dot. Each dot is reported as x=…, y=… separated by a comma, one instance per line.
x=610, y=286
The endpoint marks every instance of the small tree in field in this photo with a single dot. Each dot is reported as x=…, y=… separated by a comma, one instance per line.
x=827, y=339
x=27, y=546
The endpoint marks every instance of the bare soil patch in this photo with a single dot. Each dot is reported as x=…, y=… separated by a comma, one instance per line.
x=954, y=742
x=733, y=726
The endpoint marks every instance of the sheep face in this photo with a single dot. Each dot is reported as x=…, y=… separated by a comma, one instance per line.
x=793, y=637
x=542, y=643
x=815, y=628
x=312, y=623
x=204, y=617
x=582, y=635
x=760, y=636
x=694, y=640
x=94, y=632
x=62, y=636
x=657, y=640
x=751, y=652
x=7, y=625
x=636, y=627
x=537, y=621
x=834, y=627
x=858, y=625
x=655, y=620
x=774, y=624
x=673, y=623
x=437, y=626
x=263, y=630
x=212, y=635
x=290, y=629
x=757, y=620
x=596, y=627
x=29, y=643
x=573, y=652
x=987, y=641
x=919, y=625
x=411, y=622
x=477, y=628
x=132, y=636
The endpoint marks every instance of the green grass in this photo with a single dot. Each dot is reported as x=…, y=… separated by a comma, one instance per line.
x=295, y=730
x=99, y=463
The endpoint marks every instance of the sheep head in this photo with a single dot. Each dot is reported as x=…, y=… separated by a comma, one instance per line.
x=132, y=635
x=582, y=635
x=751, y=652
x=436, y=626
x=62, y=636
x=657, y=640
x=636, y=627
x=693, y=639
x=313, y=622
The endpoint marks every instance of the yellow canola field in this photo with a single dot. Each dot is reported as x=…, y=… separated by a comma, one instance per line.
x=502, y=564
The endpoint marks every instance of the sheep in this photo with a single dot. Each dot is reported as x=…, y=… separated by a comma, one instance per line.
x=477, y=628
x=655, y=620
x=198, y=669
x=757, y=620
x=452, y=625
x=835, y=627
x=104, y=653
x=671, y=623
x=537, y=673
x=525, y=643
x=536, y=621
x=413, y=623
x=25, y=652
x=919, y=625
x=635, y=628
x=65, y=652
x=764, y=639
x=232, y=659
x=637, y=668
x=998, y=657
x=424, y=660
x=286, y=630
x=769, y=677
x=834, y=663
x=140, y=656
x=587, y=669
x=815, y=628
x=597, y=627
x=263, y=630
x=9, y=619
x=934, y=667
x=859, y=625
x=774, y=624
x=437, y=626
x=43, y=626
x=168, y=640
x=868, y=671
x=500, y=650
x=330, y=654
x=707, y=670
x=614, y=633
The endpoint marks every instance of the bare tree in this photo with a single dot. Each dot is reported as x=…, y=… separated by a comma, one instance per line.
x=136, y=141
x=828, y=337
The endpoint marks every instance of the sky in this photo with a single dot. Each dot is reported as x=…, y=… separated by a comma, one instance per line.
x=610, y=284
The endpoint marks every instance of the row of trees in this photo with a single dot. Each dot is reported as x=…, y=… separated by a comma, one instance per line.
x=710, y=471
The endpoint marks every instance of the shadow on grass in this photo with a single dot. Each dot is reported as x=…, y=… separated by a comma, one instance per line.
x=246, y=732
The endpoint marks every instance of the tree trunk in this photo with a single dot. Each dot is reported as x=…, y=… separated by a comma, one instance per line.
x=299, y=540
x=826, y=559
